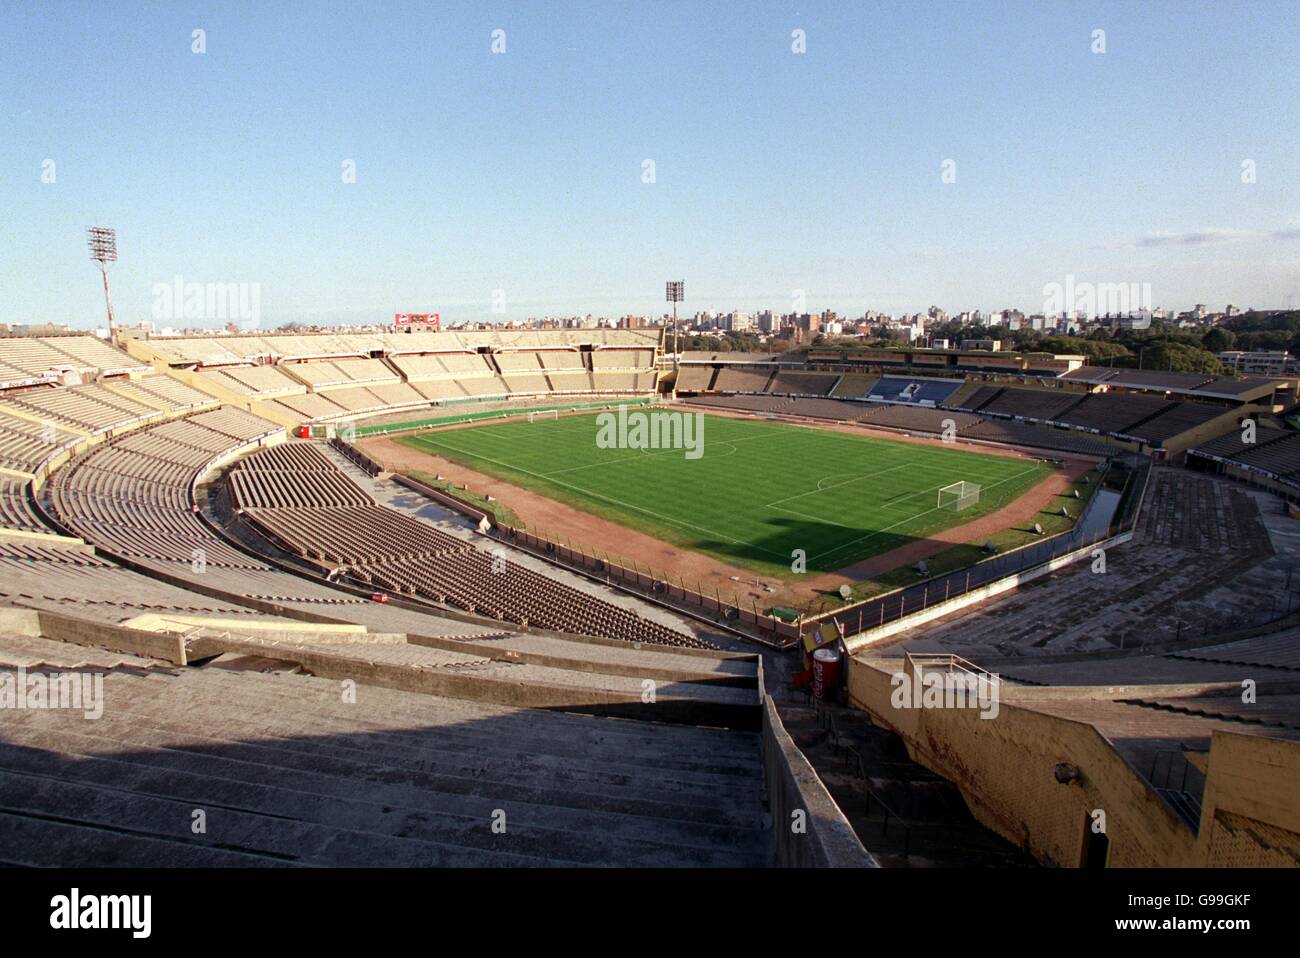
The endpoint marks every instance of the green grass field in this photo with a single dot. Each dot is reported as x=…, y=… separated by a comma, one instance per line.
x=759, y=491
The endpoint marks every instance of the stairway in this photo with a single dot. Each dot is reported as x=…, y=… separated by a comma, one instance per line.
x=904, y=814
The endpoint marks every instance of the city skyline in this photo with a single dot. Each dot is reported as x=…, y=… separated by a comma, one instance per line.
x=900, y=160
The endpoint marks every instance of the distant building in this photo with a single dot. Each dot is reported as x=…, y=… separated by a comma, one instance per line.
x=1261, y=362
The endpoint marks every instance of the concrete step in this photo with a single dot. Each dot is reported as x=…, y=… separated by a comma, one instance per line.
x=535, y=732
x=33, y=651
x=296, y=842
x=526, y=685
x=265, y=762
x=397, y=809
x=34, y=842
x=615, y=659
x=428, y=749
x=449, y=844
x=295, y=746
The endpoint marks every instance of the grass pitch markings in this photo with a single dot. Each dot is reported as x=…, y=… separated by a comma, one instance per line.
x=736, y=504
x=919, y=514
x=821, y=488
x=611, y=500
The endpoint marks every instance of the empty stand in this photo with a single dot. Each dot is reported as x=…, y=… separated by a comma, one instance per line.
x=1114, y=412
x=16, y=509
x=26, y=444
x=736, y=379
x=331, y=522
x=91, y=408
x=803, y=384
x=921, y=391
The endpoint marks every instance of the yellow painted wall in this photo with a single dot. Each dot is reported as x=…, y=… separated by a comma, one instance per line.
x=1004, y=769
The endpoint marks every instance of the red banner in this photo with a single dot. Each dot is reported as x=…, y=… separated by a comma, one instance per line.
x=422, y=319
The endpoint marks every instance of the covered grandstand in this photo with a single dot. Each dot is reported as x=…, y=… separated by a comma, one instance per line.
x=1162, y=414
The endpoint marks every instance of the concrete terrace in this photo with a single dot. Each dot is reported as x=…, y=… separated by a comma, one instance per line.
x=290, y=773
x=1207, y=558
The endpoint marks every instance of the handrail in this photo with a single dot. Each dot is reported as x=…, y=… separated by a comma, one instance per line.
x=826, y=720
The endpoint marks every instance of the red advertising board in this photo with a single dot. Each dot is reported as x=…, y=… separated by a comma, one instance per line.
x=417, y=319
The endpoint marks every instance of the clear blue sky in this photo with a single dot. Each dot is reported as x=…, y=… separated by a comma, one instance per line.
x=523, y=171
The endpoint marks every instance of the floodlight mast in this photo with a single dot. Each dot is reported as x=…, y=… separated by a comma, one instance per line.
x=103, y=250
x=676, y=290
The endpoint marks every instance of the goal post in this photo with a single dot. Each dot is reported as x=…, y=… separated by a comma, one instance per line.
x=543, y=414
x=958, y=496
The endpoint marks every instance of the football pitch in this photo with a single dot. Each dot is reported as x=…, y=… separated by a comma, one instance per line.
x=757, y=492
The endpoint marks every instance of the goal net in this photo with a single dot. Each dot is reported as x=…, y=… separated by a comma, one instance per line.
x=959, y=495
x=544, y=414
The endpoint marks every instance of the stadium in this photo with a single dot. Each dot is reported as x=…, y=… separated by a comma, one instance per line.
x=459, y=598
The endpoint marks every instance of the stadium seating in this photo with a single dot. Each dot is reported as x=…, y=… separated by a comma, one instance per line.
x=802, y=384
x=397, y=394
x=162, y=392
x=917, y=418
x=259, y=381
x=1042, y=404
x=563, y=359
x=748, y=403
x=310, y=406
x=854, y=385
x=694, y=378
x=739, y=380
x=16, y=509
x=1114, y=412
x=621, y=358
x=821, y=408
x=975, y=399
x=920, y=391
x=1275, y=452
x=31, y=358
x=1177, y=420
x=91, y=408
x=132, y=495
x=321, y=377
x=518, y=361
x=439, y=389
x=524, y=383
x=420, y=368
x=1013, y=433
x=332, y=522
x=25, y=444
x=570, y=382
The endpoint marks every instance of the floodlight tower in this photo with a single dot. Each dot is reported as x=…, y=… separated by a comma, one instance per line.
x=103, y=250
x=676, y=291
